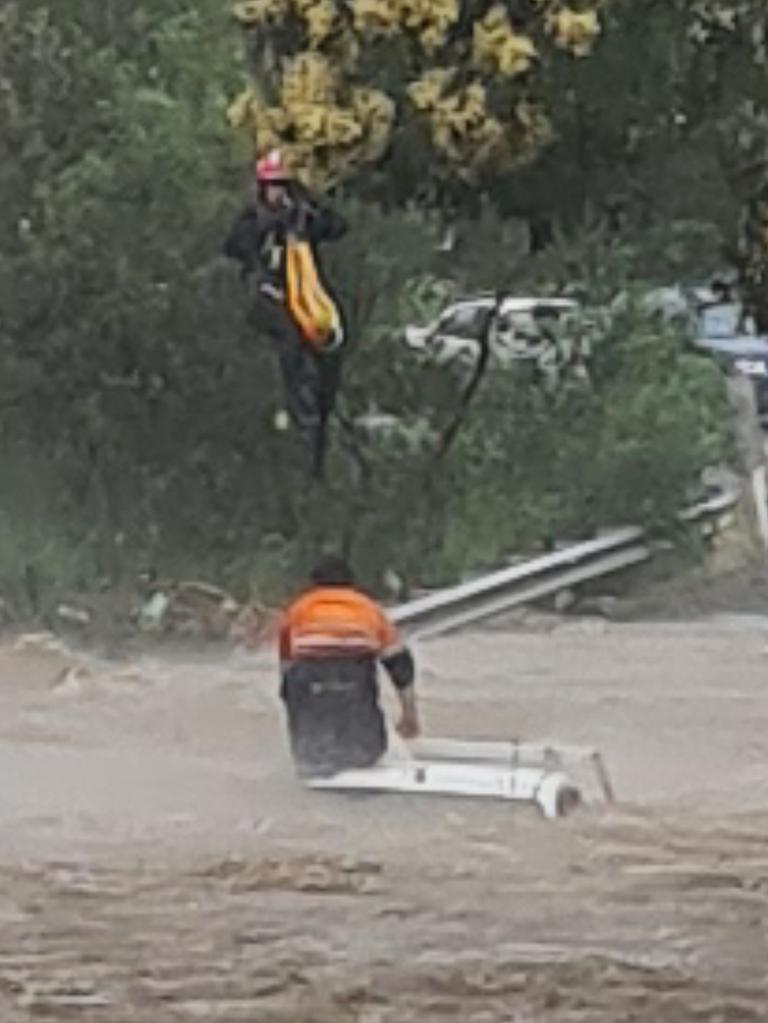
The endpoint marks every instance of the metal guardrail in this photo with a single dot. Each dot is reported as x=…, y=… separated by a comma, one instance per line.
x=491, y=594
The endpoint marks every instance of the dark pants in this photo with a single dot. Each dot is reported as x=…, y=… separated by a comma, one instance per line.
x=334, y=718
x=310, y=379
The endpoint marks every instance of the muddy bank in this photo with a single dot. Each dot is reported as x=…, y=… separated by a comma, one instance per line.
x=698, y=594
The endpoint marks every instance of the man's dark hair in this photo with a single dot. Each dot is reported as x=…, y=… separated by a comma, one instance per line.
x=332, y=570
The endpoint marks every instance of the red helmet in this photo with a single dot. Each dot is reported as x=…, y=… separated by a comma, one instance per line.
x=270, y=168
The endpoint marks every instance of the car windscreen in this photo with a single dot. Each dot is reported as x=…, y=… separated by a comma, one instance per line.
x=721, y=322
x=465, y=322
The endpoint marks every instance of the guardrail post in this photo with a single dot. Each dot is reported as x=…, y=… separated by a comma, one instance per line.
x=752, y=451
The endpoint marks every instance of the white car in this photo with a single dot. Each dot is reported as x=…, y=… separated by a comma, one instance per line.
x=527, y=329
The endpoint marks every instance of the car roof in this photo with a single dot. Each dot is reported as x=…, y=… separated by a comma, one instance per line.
x=742, y=346
x=512, y=304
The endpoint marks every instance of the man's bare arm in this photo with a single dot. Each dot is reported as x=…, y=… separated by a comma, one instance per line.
x=401, y=668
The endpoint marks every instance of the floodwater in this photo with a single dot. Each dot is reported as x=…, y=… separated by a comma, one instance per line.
x=159, y=863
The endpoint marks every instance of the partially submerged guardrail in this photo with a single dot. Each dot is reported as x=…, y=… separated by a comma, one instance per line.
x=489, y=595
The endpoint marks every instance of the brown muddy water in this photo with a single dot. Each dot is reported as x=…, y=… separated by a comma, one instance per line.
x=158, y=862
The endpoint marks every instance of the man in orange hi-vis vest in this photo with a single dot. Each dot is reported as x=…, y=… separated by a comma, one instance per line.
x=331, y=639
x=280, y=210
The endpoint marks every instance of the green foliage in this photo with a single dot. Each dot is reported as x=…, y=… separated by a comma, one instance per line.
x=136, y=405
x=124, y=352
x=37, y=549
x=627, y=447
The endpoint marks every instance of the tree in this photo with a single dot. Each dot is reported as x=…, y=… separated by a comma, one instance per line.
x=133, y=392
x=734, y=39
x=421, y=93
x=124, y=359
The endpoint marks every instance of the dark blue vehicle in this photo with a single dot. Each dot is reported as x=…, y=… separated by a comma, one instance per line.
x=722, y=330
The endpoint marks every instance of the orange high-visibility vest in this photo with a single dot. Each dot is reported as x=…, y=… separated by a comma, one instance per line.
x=336, y=621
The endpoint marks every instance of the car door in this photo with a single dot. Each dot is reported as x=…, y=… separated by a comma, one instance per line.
x=517, y=338
x=458, y=332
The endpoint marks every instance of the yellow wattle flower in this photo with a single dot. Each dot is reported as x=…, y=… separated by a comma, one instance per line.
x=497, y=47
x=574, y=31
x=309, y=78
x=320, y=17
x=428, y=20
x=426, y=91
x=258, y=12
x=329, y=124
x=376, y=17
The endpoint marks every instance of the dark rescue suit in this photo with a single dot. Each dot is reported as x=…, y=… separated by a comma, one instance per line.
x=331, y=640
x=257, y=241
